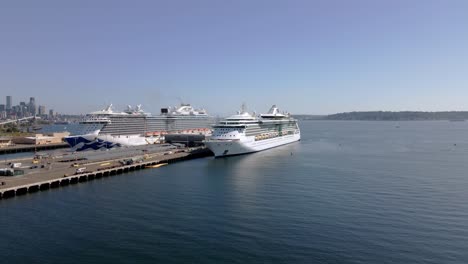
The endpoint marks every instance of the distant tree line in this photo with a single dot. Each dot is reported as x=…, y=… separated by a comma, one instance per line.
x=9, y=128
x=399, y=116
x=309, y=117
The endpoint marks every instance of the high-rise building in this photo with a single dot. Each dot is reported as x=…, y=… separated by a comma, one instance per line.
x=51, y=113
x=23, y=109
x=2, y=108
x=32, y=105
x=42, y=110
x=8, y=102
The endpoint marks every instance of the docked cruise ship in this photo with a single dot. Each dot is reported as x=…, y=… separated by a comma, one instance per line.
x=245, y=133
x=107, y=128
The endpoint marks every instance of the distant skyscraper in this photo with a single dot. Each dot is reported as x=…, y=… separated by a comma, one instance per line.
x=2, y=108
x=23, y=109
x=8, y=102
x=32, y=105
x=51, y=113
x=42, y=110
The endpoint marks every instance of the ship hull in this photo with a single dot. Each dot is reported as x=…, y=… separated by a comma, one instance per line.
x=128, y=140
x=89, y=142
x=75, y=140
x=224, y=148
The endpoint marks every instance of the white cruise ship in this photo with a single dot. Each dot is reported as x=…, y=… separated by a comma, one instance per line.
x=134, y=127
x=245, y=133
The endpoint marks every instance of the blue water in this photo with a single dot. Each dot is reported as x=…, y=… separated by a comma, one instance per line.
x=349, y=192
x=73, y=128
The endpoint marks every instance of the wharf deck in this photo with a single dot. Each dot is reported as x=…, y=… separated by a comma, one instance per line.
x=28, y=148
x=63, y=174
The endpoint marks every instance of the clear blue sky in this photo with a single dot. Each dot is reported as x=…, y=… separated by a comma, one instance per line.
x=313, y=57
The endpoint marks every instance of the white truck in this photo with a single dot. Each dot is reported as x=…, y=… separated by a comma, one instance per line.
x=80, y=170
x=16, y=165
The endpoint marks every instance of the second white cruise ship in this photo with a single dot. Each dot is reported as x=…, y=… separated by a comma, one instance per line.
x=245, y=133
x=134, y=127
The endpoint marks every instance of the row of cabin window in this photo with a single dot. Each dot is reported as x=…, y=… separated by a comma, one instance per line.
x=225, y=135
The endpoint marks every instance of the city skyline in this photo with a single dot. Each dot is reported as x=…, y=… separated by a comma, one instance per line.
x=308, y=57
x=20, y=109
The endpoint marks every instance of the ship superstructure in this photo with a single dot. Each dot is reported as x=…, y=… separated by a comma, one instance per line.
x=245, y=133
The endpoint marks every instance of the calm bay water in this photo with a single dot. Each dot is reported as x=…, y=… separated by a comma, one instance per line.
x=349, y=192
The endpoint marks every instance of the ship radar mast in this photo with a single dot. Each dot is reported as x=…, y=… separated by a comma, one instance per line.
x=274, y=112
x=108, y=108
x=243, y=108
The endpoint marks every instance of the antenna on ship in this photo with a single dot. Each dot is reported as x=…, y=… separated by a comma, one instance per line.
x=243, y=108
x=180, y=100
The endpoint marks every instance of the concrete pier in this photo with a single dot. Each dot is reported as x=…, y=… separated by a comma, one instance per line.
x=45, y=180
